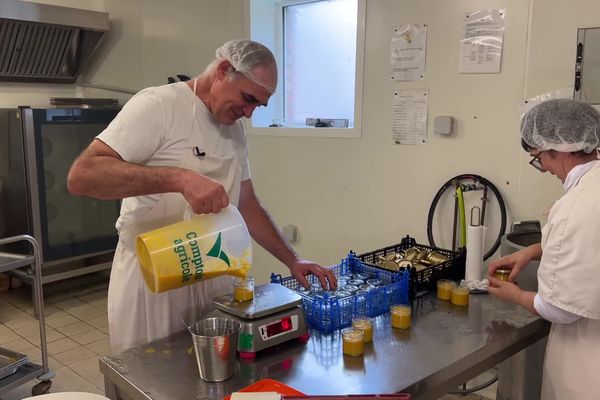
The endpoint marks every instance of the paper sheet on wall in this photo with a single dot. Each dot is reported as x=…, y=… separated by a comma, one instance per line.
x=409, y=125
x=407, y=52
x=481, y=46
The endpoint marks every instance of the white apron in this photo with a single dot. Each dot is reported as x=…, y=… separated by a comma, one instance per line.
x=571, y=370
x=568, y=279
x=136, y=315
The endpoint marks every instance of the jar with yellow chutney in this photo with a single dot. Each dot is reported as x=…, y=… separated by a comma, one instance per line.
x=364, y=324
x=459, y=295
x=444, y=287
x=502, y=274
x=243, y=289
x=353, y=342
x=401, y=316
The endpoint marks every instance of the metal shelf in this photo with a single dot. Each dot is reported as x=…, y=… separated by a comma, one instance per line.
x=10, y=261
x=28, y=371
x=24, y=374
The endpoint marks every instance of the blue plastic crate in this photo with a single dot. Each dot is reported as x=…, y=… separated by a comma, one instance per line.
x=327, y=313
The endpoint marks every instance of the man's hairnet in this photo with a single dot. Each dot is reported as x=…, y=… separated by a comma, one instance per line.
x=245, y=55
x=563, y=125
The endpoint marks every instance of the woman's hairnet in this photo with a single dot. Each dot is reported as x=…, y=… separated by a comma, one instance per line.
x=563, y=125
x=245, y=55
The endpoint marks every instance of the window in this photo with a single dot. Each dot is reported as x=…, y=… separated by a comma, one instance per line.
x=319, y=46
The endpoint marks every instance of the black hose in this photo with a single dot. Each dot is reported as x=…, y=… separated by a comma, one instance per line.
x=476, y=388
x=452, y=183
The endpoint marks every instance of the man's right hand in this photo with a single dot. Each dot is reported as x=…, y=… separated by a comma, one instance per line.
x=204, y=194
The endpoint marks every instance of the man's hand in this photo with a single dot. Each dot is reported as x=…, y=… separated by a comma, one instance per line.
x=204, y=194
x=301, y=268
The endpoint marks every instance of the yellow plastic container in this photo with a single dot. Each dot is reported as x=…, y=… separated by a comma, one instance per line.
x=444, y=287
x=401, y=316
x=353, y=342
x=243, y=289
x=202, y=247
x=459, y=295
x=364, y=324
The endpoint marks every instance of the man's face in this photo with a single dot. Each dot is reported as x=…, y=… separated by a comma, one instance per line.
x=234, y=96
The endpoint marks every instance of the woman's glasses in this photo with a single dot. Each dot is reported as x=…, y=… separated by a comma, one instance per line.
x=536, y=162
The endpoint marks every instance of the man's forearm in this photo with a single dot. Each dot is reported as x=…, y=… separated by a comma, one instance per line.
x=108, y=178
x=265, y=233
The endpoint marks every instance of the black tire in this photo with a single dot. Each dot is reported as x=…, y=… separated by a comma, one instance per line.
x=452, y=183
x=41, y=388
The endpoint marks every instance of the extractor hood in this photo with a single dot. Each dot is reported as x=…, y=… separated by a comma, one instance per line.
x=45, y=43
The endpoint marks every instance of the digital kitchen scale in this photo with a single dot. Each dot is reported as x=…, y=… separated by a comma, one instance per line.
x=273, y=316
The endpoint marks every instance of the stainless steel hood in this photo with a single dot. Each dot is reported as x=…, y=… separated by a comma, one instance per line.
x=45, y=43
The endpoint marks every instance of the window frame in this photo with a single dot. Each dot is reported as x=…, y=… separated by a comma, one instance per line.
x=312, y=132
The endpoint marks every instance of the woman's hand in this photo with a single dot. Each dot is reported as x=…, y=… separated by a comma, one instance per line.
x=506, y=291
x=515, y=262
x=511, y=293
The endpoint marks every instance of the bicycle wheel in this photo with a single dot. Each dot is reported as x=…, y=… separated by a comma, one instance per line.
x=470, y=183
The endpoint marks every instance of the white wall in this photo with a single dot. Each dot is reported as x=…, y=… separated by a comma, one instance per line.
x=148, y=41
x=367, y=193
x=13, y=94
x=362, y=193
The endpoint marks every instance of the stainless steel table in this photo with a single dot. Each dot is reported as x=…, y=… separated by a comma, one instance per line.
x=446, y=346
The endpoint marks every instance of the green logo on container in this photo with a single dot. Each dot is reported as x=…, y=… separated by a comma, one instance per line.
x=216, y=251
x=245, y=341
x=192, y=264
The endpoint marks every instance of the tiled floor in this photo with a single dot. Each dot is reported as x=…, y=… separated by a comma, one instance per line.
x=77, y=335
x=76, y=332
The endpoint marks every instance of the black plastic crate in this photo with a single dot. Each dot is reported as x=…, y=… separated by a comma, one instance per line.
x=425, y=280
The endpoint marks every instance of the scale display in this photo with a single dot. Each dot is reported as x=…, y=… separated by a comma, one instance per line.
x=275, y=328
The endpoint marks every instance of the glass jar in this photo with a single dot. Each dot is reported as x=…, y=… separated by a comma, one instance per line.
x=353, y=342
x=459, y=295
x=401, y=316
x=374, y=282
x=356, y=282
x=444, y=287
x=364, y=324
x=502, y=274
x=243, y=289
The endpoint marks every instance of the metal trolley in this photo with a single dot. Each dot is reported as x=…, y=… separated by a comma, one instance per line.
x=27, y=371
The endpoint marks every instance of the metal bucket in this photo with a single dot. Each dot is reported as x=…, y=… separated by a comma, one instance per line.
x=215, y=341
